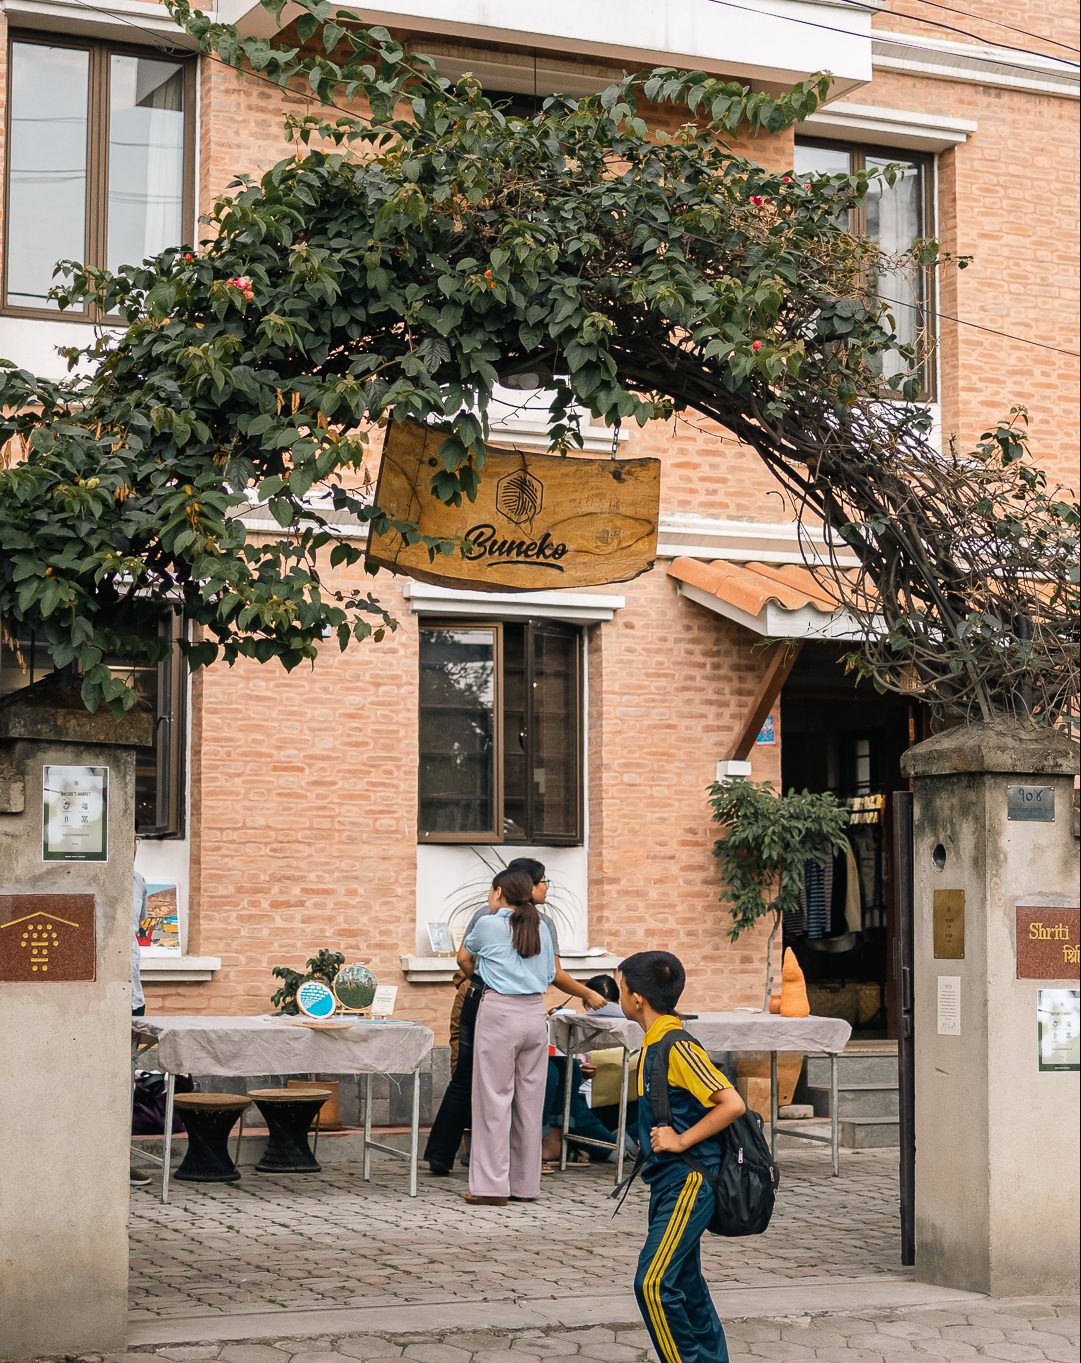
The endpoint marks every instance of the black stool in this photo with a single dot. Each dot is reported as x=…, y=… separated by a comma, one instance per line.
x=289, y=1114
x=208, y=1118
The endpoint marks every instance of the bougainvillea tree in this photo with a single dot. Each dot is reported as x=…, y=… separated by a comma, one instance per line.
x=416, y=246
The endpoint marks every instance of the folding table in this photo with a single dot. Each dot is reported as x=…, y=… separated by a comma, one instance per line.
x=733, y=1031
x=235, y=1047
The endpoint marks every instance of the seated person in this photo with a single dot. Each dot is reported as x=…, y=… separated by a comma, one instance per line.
x=608, y=1113
x=583, y=1121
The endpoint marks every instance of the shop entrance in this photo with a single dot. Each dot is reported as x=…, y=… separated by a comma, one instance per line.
x=840, y=735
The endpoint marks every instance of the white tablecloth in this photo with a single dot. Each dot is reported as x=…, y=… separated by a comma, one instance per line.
x=716, y=1032
x=228, y=1046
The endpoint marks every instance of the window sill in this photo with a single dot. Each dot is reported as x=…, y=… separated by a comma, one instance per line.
x=178, y=969
x=440, y=969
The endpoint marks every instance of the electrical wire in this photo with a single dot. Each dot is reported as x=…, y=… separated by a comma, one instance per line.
x=983, y=18
x=953, y=28
x=894, y=42
x=165, y=46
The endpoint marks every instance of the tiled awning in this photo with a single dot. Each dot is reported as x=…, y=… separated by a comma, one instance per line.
x=778, y=601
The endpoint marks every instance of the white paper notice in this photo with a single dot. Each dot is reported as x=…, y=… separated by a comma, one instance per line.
x=386, y=996
x=949, y=1005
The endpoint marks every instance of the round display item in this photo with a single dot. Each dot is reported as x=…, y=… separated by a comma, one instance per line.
x=315, y=999
x=355, y=987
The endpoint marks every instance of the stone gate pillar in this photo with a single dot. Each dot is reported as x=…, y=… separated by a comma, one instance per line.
x=996, y=1135
x=65, y=1010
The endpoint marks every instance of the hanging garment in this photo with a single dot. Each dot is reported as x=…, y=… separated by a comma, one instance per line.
x=814, y=888
x=853, y=892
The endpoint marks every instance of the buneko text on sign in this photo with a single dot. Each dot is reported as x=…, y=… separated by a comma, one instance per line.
x=538, y=520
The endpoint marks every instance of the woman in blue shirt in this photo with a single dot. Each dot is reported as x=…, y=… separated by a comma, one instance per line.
x=514, y=951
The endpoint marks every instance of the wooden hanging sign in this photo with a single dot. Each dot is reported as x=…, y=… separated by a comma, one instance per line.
x=540, y=521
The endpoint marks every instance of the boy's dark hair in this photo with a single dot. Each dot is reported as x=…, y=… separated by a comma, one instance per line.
x=604, y=985
x=534, y=869
x=658, y=976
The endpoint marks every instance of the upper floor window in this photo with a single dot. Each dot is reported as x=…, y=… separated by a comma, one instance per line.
x=893, y=217
x=500, y=732
x=159, y=769
x=99, y=162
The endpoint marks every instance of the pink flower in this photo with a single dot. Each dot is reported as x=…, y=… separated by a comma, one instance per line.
x=756, y=345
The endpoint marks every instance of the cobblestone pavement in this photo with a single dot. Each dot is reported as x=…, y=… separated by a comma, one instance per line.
x=331, y=1241
x=1020, y=1330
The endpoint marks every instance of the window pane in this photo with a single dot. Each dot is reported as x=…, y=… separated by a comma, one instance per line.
x=821, y=160
x=894, y=222
x=143, y=678
x=47, y=167
x=146, y=158
x=457, y=730
x=555, y=734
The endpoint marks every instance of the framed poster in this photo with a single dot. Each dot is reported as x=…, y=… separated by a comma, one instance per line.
x=1058, y=1029
x=75, y=813
x=159, y=931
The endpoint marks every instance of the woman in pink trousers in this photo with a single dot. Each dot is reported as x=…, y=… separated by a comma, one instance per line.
x=514, y=950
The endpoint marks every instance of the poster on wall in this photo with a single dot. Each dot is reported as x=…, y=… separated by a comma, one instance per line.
x=539, y=521
x=74, y=813
x=159, y=931
x=1058, y=1029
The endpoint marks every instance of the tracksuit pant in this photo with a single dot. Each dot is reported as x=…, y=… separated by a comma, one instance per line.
x=672, y=1294
x=510, y=1063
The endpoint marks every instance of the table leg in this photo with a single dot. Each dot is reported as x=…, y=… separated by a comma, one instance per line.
x=835, y=1143
x=568, y=1082
x=367, y=1169
x=167, y=1150
x=621, y=1125
x=773, y=1104
x=239, y=1138
x=414, y=1135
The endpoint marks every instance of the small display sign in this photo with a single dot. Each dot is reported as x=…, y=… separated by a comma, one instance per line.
x=768, y=732
x=383, y=1004
x=1031, y=804
x=1058, y=1029
x=1048, y=943
x=47, y=938
x=74, y=813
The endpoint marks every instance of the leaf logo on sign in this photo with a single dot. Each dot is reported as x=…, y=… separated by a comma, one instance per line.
x=519, y=497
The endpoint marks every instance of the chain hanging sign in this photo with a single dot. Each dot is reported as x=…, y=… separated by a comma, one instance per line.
x=539, y=522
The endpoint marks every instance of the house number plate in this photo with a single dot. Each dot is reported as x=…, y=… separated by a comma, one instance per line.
x=1033, y=804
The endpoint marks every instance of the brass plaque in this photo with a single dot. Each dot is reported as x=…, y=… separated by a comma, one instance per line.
x=949, y=923
x=47, y=938
x=539, y=521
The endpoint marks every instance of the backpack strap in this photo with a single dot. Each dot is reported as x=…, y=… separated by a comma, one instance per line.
x=655, y=1089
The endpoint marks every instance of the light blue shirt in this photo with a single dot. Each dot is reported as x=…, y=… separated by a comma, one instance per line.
x=504, y=970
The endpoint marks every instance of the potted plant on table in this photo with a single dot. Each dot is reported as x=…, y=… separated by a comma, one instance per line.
x=769, y=837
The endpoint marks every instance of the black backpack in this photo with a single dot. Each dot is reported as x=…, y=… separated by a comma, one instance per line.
x=745, y=1186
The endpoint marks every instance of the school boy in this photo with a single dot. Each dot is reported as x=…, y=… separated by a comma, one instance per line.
x=672, y=1294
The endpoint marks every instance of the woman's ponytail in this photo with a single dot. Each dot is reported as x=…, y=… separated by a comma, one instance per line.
x=517, y=889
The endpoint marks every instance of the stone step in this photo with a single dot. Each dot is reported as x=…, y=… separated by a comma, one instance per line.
x=856, y=1100
x=869, y=1133
x=853, y=1067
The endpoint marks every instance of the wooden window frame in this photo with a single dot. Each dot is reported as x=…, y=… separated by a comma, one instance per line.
x=927, y=315
x=95, y=226
x=171, y=711
x=495, y=835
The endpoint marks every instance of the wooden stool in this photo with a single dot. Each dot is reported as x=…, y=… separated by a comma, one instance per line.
x=289, y=1114
x=208, y=1118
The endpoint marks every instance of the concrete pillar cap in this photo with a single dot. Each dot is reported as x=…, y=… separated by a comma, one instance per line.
x=1003, y=746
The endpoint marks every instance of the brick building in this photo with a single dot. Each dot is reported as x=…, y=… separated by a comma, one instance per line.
x=318, y=809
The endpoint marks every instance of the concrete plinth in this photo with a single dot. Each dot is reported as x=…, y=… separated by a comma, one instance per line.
x=997, y=1187
x=65, y=1089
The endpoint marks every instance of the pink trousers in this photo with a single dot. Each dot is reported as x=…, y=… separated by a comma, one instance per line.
x=510, y=1065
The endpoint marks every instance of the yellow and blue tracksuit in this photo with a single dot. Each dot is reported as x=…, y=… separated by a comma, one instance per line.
x=672, y=1294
